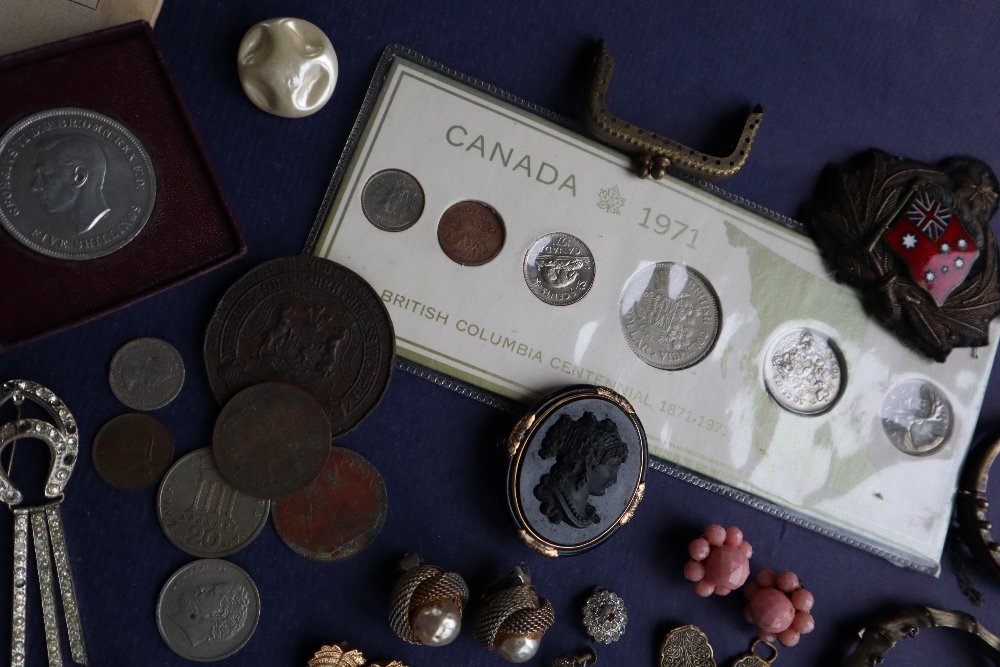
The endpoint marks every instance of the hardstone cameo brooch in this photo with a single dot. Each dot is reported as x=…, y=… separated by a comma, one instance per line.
x=915, y=240
x=577, y=469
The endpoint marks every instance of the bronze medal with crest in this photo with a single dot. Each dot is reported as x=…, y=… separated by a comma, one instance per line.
x=304, y=321
x=915, y=240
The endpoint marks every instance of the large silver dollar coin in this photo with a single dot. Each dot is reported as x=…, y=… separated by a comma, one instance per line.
x=670, y=315
x=146, y=373
x=202, y=514
x=207, y=610
x=803, y=371
x=74, y=184
x=392, y=200
x=917, y=418
x=559, y=269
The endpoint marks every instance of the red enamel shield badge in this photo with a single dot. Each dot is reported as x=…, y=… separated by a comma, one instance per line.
x=934, y=244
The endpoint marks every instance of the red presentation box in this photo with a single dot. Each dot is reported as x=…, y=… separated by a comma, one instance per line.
x=118, y=72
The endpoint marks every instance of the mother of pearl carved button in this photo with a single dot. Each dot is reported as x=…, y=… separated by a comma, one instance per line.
x=287, y=67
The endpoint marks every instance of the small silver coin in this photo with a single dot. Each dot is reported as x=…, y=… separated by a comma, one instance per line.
x=559, y=269
x=670, y=316
x=208, y=610
x=202, y=514
x=917, y=418
x=392, y=200
x=74, y=184
x=803, y=371
x=146, y=374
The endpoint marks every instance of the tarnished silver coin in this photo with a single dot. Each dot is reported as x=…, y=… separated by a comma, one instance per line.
x=202, y=514
x=208, y=610
x=146, y=373
x=392, y=200
x=670, y=315
x=803, y=371
x=917, y=418
x=74, y=184
x=559, y=269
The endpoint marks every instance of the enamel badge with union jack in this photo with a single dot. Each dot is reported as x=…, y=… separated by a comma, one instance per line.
x=914, y=239
x=934, y=245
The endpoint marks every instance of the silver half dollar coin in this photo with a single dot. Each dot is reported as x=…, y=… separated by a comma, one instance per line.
x=803, y=371
x=208, y=610
x=392, y=200
x=202, y=514
x=917, y=418
x=559, y=269
x=74, y=184
x=146, y=373
x=670, y=315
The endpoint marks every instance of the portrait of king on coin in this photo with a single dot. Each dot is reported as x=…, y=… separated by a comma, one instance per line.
x=77, y=184
x=578, y=471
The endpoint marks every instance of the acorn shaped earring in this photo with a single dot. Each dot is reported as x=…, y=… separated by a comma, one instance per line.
x=512, y=618
x=427, y=603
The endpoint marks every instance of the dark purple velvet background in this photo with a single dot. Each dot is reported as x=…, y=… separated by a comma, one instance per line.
x=917, y=79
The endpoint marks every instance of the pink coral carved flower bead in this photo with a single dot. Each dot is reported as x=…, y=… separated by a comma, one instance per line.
x=802, y=599
x=719, y=560
x=716, y=535
x=779, y=607
x=694, y=571
x=788, y=582
x=699, y=549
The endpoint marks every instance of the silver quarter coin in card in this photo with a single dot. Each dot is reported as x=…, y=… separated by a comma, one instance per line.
x=917, y=418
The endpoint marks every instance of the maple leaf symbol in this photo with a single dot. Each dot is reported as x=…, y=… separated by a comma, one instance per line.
x=611, y=200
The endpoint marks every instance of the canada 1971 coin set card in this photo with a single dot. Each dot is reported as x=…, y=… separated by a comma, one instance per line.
x=518, y=256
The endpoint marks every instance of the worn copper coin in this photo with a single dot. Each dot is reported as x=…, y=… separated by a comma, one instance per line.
x=339, y=514
x=471, y=233
x=202, y=514
x=304, y=321
x=132, y=451
x=271, y=440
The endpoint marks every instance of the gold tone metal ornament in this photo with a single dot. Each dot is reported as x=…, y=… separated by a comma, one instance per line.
x=337, y=655
x=914, y=239
x=878, y=639
x=512, y=618
x=586, y=657
x=971, y=504
x=655, y=154
x=686, y=646
x=577, y=470
x=427, y=603
x=754, y=659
